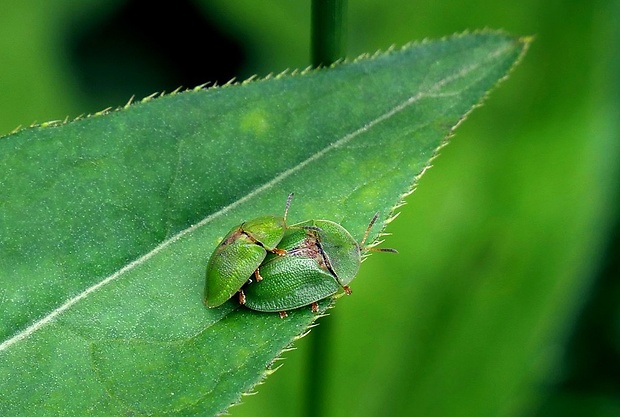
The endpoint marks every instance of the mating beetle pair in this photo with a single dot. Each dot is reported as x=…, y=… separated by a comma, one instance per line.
x=312, y=261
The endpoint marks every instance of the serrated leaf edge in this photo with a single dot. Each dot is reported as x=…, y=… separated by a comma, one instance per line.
x=255, y=78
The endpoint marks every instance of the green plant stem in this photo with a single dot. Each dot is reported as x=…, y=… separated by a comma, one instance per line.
x=328, y=45
x=318, y=376
x=328, y=31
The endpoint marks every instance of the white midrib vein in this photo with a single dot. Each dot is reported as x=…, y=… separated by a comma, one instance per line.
x=340, y=142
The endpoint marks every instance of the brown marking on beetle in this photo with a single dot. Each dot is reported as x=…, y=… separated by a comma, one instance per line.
x=241, y=297
x=311, y=248
x=314, y=307
x=233, y=236
x=283, y=314
x=308, y=248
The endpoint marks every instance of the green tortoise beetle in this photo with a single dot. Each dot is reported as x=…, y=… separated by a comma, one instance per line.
x=321, y=257
x=239, y=255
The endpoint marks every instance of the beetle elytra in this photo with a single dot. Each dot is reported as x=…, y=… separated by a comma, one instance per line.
x=321, y=257
x=239, y=255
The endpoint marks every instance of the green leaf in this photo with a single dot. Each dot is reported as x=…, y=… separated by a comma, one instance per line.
x=107, y=223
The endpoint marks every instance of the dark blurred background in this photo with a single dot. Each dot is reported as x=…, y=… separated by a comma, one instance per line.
x=505, y=298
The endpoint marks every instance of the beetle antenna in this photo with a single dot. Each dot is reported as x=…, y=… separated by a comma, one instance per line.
x=288, y=204
x=381, y=250
x=372, y=222
x=373, y=249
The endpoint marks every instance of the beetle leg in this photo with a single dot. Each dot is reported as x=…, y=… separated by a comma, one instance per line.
x=279, y=252
x=258, y=276
x=241, y=297
x=315, y=307
x=347, y=290
x=283, y=314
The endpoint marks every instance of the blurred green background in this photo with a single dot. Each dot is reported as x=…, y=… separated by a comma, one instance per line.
x=505, y=298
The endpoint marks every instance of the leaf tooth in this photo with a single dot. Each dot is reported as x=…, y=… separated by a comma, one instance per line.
x=201, y=86
x=101, y=112
x=310, y=327
x=284, y=73
x=289, y=349
x=304, y=334
x=392, y=218
x=378, y=53
x=362, y=57
x=315, y=323
x=129, y=102
x=376, y=243
x=149, y=98
x=337, y=62
x=249, y=79
x=401, y=202
x=271, y=371
x=230, y=82
x=51, y=123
